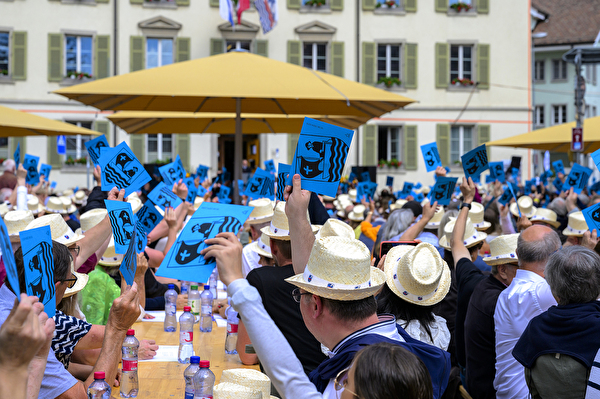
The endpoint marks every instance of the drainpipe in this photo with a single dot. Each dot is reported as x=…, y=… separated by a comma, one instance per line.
x=115, y=54
x=358, y=6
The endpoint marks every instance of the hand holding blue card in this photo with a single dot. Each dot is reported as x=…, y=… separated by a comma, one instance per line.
x=261, y=185
x=94, y=148
x=282, y=172
x=505, y=197
x=365, y=176
x=223, y=194
x=121, y=222
x=270, y=166
x=45, y=170
x=558, y=167
x=443, y=190
x=121, y=169
x=172, y=172
x=497, y=171
x=9, y=259
x=406, y=189
x=38, y=260
x=30, y=163
x=148, y=216
x=592, y=217
x=129, y=263
x=192, y=190
x=202, y=172
x=475, y=161
x=365, y=191
x=577, y=178
x=163, y=197
x=201, y=191
x=389, y=181
x=17, y=154
x=431, y=155
x=558, y=184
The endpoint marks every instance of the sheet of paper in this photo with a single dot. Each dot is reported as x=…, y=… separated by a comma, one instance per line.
x=30, y=163
x=497, y=171
x=261, y=185
x=389, y=181
x=202, y=172
x=94, y=148
x=121, y=222
x=560, y=168
x=365, y=190
x=45, y=170
x=9, y=259
x=38, y=260
x=406, y=189
x=163, y=197
x=223, y=194
x=592, y=217
x=129, y=263
x=270, y=166
x=578, y=178
x=121, y=169
x=282, y=172
x=443, y=190
x=159, y=316
x=165, y=353
x=17, y=154
x=475, y=161
x=221, y=322
x=148, y=216
x=141, y=238
x=431, y=155
x=172, y=172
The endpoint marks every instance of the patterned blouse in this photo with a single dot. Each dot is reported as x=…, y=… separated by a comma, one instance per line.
x=69, y=330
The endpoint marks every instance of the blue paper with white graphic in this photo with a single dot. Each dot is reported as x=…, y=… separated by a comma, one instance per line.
x=121, y=222
x=172, y=172
x=365, y=190
x=184, y=260
x=431, y=155
x=9, y=259
x=578, y=178
x=17, y=154
x=270, y=166
x=389, y=181
x=121, y=169
x=192, y=190
x=475, y=161
x=406, y=189
x=30, y=163
x=365, y=176
x=320, y=156
x=592, y=217
x=141, y=238
x=558, y=167
x=443, y=190
x=282, y=172
x=497, y=171
x=558, y=184
x=45, y=170
x=163, y=197
x=261, y=185
x=223, y=194
x=38, y=261
x=129, y=263
x=148, y=216
x=94, y=148
x=505, y=197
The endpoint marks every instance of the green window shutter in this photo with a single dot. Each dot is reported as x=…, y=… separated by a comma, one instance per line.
x=441, y=5
x=214, y=3
x=183, y=149
x=294, y=53
x=483, y=66
x=368, y=5
x=294, y=4
x=442, y=65
x=369, y=145
x=137, y=53
x=410, y=75
x=102, y=1
x=102, y=58
x=216, y=46
x=337, y=58
x=483, y=6
x=483, y=136
x=292, y=143
x=104, y=128
x=336, y=5
x=13, y=146
x=411, y=159
x=55, y=57
x=136, y=1
x=19, y=56
x=410, y=5
x=53, y=158
x=182, y=44
x=261, y=47
x=442, y=138
x=137, y=143
x=182, y=2
x=369, y=51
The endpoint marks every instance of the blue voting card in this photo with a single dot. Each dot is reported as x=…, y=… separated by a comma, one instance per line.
x=241, y=186
x=53, y=185
x=489, y=179
x=201, y=191
x=17, y=154
x=431, y=155
x=320, y=156
x=183, y=261
x=497, y=171
x=419, y=197
x=172, y=172
x=141, y=238
x=559, y=167
x=148, y=216
x=558, y=184
x=510, y=187
x=475, y=161
x=282, y=172
x=505, y=197
x=223, y=194
x=163, y=197
x=418, y=185
x=9, y=259
x=270, y=166
x=515, y=172
x=94, y=148
x=121, y=222
x=261, y=185
x=121, y=169
x=476, y=178
x=38, y=261
x=129, y=263
x=406, y=189
x=45, y=170
x=443, y=190
x=592, y=217
x=30, y=163
x=365, y=190
x=596, y=158
x=192, y=190
x=365, y=176
x=344, y=187
x=353, y=177
x=389, y=181
x=578, y=178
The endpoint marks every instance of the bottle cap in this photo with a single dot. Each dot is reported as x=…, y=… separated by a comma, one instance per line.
x=187, y=308
x=204, y=363
x=171, y=286
x=206, y=287
x=130, y=332
x=194, y=286
x=99, y=375
x=195, y=359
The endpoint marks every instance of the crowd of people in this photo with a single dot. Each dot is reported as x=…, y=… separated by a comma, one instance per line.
x=338, y=297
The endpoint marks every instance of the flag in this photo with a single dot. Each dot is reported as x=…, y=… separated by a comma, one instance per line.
x=243, y=5
x=226, y=11
x=267, y=12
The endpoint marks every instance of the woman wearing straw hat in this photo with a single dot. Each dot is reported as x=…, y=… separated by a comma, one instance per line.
x=260, y=217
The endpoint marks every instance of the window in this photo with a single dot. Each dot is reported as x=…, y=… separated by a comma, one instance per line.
x=461, y=63
x=388, y=61
x=387, y=4
x=314, y=3
x=590, y=74
x=76, y=144
x=389, y=143
x=461, y=141
x=539, y=75
x=586, y=113
x=78, y=55
x=4, y=51
x=314, y=56
x=237, y=45
x=160, y=147
x=559, y=113
x=4, y=148
x=559, y=70
x=469, y=2
x=539, y=116
x=159, y=52
x=594, y=110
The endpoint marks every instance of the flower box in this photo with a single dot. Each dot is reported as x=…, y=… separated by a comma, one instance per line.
x=462, y=82
x=389, y=4
x=460, y=6
x=389, y=82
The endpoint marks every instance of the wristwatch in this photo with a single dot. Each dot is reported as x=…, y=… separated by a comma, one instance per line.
x=465, y=205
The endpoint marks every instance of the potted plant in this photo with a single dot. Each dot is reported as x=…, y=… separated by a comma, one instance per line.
x=75, y=161
x=462, y=82
x=394, y=163
x=382, y=162
x=314, y=3
x=389, y=82
x=3, y=72
x=460, y=6
x=387, y=4
x=78, y=75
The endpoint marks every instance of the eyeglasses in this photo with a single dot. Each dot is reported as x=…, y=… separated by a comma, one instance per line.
x=297, y=295
x=71, y=281
x=75, y=250
x=341, y=381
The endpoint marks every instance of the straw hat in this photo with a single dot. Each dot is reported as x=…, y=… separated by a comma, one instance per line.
x=327, y=198
x=136, y=203
x=110, y=257
x=55, y=205
x=547, y=216
x=424, y=189
x=68, y=205
x=435, y=221
x=279, y=228
x=91, y=218
x=4, y=209
x=398, y=204
x=228, y=390
x=60, y=231
x=17, y=221
x=503, y=249
x=262, y=246
x=471, y=236
x=262, y=212
x=197, y=202
x=67, y=193
x=33, y=204
x=335, y=228
x=357, y=214
x=79, y=197
x=476, y=216
x=82, y=280
x=418, y=274
x=339, y=268
x=248, y=378
x=352, y=194
x=576, y=226
x=525, y=204
x=342, y=198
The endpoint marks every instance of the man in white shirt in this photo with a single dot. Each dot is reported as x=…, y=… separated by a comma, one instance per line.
x=260, y=217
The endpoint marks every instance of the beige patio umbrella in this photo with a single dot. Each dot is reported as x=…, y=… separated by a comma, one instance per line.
x=14, y=123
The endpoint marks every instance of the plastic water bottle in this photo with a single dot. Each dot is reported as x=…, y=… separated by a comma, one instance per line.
x=188, y=374
x=171, y=309
x=129, y=379
x=185, y=287
x=212, y=281
x=204, y=381
x=232, y=331
x=206, y=300
x=186, y=335
x=99, y=389
x=194, y=301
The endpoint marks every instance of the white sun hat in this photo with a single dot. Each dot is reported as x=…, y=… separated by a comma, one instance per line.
x=68, y=193
x=339, y=268
x=4, y=209
x=262, y=246
x=68, y=205
x=471, y=236
x=546, y=216
x=352, y=194
x=228, y=390
x=476, y=216
x=17, y=221
x=136, y=203
x=110, y=257
x=61, y=232
x=357, y=214
x=79, y=197
x=435, y=221
x=197, y=202
x=525, y=204
x=248, y=378
x=335, y=227
x=82, y=280
x=341, y=199
x=33, y=204
x=55, y=205
x=279, y=228
x=417, y=274
x=91, y=218
x=398, y=204
x=576, y=226
x=503, y=249
x=262, y=212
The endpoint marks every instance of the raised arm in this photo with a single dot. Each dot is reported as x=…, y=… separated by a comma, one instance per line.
x=301, y=235
x=459, y=250
x=416, y=228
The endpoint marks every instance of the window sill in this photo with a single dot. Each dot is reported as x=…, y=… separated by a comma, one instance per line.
x=6, y=80
x=315, y=10
x=84, y=2
x=78, y=168
x=390, y=169
x=73, y=82
x=393, y=88
x=159, y=4
x=453, y=13
x=559, y=80
x=389, y=11
x=461, y=88
x=539, y=82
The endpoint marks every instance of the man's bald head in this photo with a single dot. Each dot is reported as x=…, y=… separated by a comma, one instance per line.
x=534, y=247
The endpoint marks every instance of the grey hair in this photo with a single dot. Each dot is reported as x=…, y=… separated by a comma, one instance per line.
x=559, y=206
x=9, y=165
x=398, y=221
x=445, y=219
x=574, y=275
x=539, y=250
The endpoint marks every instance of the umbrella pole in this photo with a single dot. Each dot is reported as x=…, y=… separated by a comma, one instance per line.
x=237, y=161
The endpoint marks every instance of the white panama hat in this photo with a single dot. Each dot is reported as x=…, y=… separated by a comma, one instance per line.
x=79, y=197
x=470, y=238
x=546, y=216
x=60, y=230
x=91, y=218
x=279, y=229
x=262, y=246
x=357, y=214
x=248, y=378
x=110, y=257
x=17, y=221
x=335, y=228
x=576, y=225
x=435, y=221
x=82, y=280
x=33, y=204
x=136, y=203
x=525, y=204
x=55, y=205
x=476, y=215
x=503, y=249
x=262, y=212
x=68, y=205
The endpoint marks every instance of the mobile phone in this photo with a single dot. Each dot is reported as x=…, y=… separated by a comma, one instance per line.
x=387, y=245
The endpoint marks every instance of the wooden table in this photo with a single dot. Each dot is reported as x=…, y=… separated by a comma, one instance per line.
x=159, y=380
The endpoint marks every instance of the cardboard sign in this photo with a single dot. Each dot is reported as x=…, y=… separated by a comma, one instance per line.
x=506, y=196
x=202, y=172
x=365, y=190
x=443, y=190
x=121, y=222
x=38, y=260
x=406, y=189
x=163, y=197
x=559, y=167
x=282, y=172
x=141, y=238
x=431, y=155
x=192, y=190
x=30, y=163
x=270, y=166
x=94, y=148
x=121, y=169
x=558, y=184
x=596, y=158
x=592, y=217
x=261, y=185
x=578, y=178
x=497, y=171
x=9, y=259
x=129, y=263
x=475, y=161
x=45, y=170
x=389, y=181
x=17, y=154
x=172, y=172
x=148, y=217
x=223, y=195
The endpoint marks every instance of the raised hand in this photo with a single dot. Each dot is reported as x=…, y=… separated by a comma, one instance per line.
x=227, y=251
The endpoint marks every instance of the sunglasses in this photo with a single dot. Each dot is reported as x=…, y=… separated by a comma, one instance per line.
x=341, y=381
x=297, y=295
x=75, y=250
x=71, y=281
